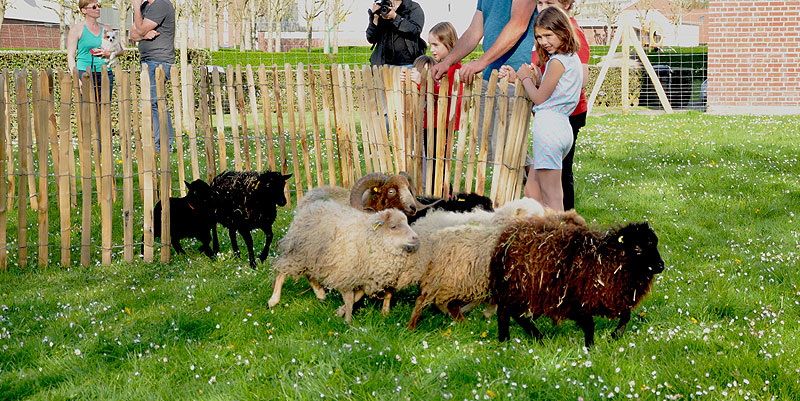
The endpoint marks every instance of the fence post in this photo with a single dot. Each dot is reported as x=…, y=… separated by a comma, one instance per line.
x=242, y=117
x=85, y=155
x=315, y=120
x=4, y=176
x=350, y=116
x=237, y=144
x=485, y=128
x=164, y=165
x=205, y=121
x=477, y=82
x=124, y=92
x=107, y=168
x=23, y=117
x=290, y=108
x=188, y=93
x=258, y=138
x=9, y=159
x=281, y=133
x=463, y=113
x=39, y=86
x=178, y=120
x=146, y=164
x=267, y=112
x=223, y=152
x=326, y=114
x=361, y=98
x=302, y=131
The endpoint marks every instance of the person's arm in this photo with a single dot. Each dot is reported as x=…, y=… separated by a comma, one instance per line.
x=464, y=46
x=372, y=29
x=552, y=74
x=143, y=28
x=72, y=45
x=521, y=14
x=411, y=26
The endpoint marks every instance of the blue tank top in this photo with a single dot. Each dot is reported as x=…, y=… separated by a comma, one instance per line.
x=84, y=58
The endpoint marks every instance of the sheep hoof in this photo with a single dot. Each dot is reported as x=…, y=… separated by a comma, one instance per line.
x=340, y=312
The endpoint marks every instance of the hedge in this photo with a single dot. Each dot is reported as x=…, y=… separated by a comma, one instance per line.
x=57, y=59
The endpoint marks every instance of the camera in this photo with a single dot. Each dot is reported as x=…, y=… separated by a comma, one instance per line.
x=386, y=7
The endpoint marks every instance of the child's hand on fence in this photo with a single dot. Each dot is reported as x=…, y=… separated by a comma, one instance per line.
x=524, y=72
x=507, y=71
x=537, y=75
x=416, y=76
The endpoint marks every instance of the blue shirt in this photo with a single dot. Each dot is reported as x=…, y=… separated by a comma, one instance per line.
x=496, y=14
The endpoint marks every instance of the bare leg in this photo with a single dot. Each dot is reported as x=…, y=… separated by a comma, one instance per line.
x=550, y=184
x=276, y=290
x=319, y=290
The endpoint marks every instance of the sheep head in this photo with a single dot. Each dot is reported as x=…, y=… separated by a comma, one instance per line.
x=393, y=228
x=378, y=191
x=199, y=194
x=640, y=245
x=269, y=186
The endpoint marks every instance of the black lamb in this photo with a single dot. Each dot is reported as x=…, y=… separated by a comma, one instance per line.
x=458, y=203
x=246, y=201
x=191, y=216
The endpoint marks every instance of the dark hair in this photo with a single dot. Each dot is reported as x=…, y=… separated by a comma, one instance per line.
x=423, y=62
x=556, y=20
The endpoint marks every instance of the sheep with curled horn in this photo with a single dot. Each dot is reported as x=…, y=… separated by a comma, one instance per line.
x=379, y=191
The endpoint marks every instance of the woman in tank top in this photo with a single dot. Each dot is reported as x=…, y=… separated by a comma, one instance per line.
x=84, y=41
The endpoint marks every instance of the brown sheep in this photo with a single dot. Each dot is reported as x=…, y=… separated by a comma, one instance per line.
x=571, y=272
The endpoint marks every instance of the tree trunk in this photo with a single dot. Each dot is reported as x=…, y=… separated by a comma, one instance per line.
x=326, y=34
x=278, y=32
x=309, y=33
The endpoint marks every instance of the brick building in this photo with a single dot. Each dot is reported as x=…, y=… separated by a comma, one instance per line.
x=754, y=57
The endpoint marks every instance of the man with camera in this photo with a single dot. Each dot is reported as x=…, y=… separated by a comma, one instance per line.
x=394, y=30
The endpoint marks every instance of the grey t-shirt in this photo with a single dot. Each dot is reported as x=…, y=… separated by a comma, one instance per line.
x=162, y=47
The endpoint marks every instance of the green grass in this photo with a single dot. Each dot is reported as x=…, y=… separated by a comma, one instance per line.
x=723, y=194
x=346, y=55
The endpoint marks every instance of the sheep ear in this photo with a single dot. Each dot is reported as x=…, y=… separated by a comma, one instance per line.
x=187, y=183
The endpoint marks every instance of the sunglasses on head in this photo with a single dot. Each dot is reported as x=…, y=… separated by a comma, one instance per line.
x=94, y=7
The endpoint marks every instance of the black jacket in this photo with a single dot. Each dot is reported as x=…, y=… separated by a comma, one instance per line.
x=397, y=41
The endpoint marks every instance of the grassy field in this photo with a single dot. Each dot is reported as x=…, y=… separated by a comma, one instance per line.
x=723, y=194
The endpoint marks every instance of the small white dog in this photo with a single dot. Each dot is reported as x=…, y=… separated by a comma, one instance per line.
x=110, y=43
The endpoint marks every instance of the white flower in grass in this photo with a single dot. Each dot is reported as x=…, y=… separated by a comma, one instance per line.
x=78, y=352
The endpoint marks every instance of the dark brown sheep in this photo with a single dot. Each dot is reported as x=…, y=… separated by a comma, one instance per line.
x=567, y=271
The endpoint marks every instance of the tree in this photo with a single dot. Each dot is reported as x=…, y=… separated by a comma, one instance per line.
x=679, y=8
x=276, y=11
x=313, y=9
x=3, y=7
x=643, y=8
x=124, y=7
x=67, y=11
x=610, y=11
x=335, y=15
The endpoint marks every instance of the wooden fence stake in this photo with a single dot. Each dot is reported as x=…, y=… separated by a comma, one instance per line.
x=315, y=121
x=64, y=146
x=205, y=126
x=9, y=160
x=267, y=112
x=466, y=100
x=147, y=167
x=188, y=93
x=480, y=185
x=4, y=170
x=351, y=118
x=302, y=132
x=326, y=114
x=124, y=92
x=222, y=148
x=177, y=120
x=243, y=118
x=290, y=108
x=107, y=169
x=23, y=118
x=85, y=155
x=257, y=136
x=365, y=129
x=42, y=149
x=164, y=166
x=237, y=143
x=281, y=132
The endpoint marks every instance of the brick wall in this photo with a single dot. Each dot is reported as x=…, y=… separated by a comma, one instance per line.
x=29, y=35
x=754, y=57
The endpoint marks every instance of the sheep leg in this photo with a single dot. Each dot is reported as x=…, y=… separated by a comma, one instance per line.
x=624, y=318
x=387, y=302
x=529, y=327
x=265, y=251
x=348, y=298
x=214, y=239
x=234, y=244
x=454, y=308
x=205, y=241
x=176, y=243
x=490, y=310
x=356, y=297
x=319, y=290
x=586, y=323
x=248, y=241
x=470, y=306
x=419, y=306
x=503, y=321
x=276, y=290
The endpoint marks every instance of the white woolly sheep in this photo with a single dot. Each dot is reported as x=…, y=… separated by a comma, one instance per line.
x=349, y=250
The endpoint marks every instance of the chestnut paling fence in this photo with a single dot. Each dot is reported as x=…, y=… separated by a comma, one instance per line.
x=86, y=174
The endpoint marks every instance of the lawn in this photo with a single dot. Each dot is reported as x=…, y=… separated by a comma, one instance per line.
x=722, y=193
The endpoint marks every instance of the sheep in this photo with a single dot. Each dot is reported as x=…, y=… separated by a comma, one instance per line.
x=190, y=217
x=455, y=263
x=246, y=201
x=462, y=202
x=571, y=272
x=379, y=191
x=349, y=250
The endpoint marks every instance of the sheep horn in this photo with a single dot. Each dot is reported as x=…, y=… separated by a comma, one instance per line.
x=420, y=206
x=362, y=185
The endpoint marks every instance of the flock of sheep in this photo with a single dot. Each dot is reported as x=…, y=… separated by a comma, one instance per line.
x=379, y=237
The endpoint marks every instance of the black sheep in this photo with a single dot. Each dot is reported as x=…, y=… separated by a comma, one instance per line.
x=190, y=217
x=246, y=201
x=458, y=203
x=567, y=271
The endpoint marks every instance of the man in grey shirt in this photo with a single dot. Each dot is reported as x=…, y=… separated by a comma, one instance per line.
x=154, y=29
